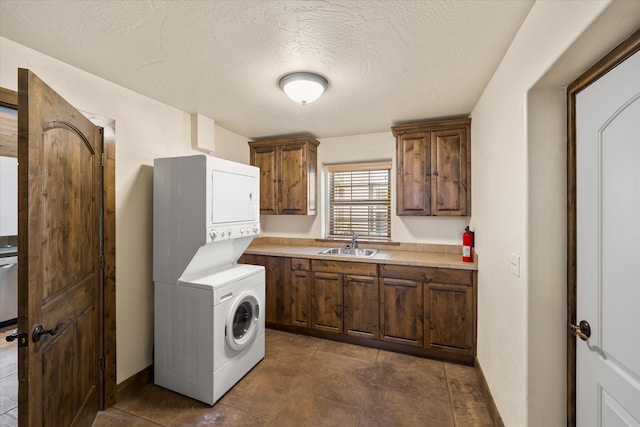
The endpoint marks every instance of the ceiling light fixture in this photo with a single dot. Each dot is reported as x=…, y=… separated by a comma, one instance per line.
x=303, y=87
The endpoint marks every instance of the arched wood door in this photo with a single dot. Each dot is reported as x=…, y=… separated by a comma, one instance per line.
x=59, y=265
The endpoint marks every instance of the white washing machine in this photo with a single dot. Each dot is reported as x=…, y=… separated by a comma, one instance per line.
x=212, y=331
x=209, y=310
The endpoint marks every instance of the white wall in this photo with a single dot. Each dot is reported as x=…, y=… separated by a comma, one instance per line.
x=145, y=129
x=520, y=319
x=547, y=250
x=358, y=149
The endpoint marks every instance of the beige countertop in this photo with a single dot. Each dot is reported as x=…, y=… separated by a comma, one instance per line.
x=423, y=258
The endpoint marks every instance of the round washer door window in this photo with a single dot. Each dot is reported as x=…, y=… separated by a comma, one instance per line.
x=242, y=321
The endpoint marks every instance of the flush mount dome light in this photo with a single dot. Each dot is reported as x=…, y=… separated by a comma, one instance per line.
x=302, y=87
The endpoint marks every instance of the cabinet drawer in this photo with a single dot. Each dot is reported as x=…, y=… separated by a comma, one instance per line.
x=300, y=264
x=342, y=267
x=427, y=274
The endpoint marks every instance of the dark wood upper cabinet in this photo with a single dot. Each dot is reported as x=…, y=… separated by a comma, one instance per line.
x=433, y=165
x=288, y=174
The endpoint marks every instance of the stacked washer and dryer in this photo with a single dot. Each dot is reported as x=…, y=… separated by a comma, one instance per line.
x=209, y=310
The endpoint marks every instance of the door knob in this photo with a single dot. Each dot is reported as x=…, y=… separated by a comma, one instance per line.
x=12, y=336
x=581, y=330
x=39, y=331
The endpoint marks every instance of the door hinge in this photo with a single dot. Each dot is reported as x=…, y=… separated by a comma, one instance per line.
x=102, y=363
x=101, y=262
x=102, y=159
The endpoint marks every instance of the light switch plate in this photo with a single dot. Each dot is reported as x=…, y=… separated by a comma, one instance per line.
x=515, y=265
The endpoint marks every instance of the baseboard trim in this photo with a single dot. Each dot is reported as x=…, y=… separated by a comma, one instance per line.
x=135, y=382
x=488, y=398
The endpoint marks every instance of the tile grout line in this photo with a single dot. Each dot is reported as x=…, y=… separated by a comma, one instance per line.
x=446, y=378
x=137, y=416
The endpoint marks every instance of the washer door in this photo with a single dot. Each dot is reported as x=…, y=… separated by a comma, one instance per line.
x=242, y=321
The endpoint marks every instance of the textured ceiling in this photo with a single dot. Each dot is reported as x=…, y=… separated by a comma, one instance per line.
x=387, y=61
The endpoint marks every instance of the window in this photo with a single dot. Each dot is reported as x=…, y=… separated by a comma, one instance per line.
x=359, y=200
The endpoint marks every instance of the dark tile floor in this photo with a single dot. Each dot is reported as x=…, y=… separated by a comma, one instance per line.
x=302, y=381
x=8, y=380
x=305, y=381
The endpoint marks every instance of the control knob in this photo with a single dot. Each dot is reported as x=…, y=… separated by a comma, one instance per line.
x=213, y=234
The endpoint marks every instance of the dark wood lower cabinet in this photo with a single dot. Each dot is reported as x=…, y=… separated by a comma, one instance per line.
x=361, y=306
x=401, y=312
x=326, y=302
x=449, y=317
x=300, y=298
x=278, y=286
x=425, y=311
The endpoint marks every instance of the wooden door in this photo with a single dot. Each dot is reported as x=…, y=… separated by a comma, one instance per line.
x=449, y=172
x=293, y=179
x=608, y=249
x=266, y=158
x=448, y=317
x=326, y=302
x=59, y=274
x=361, y=306
x=413, y=154
x=401, y=312
x=300, y=298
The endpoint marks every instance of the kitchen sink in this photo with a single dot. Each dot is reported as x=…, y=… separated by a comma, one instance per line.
x=349, y=251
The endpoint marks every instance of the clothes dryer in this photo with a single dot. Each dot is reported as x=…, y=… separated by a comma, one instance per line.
x=209, y=310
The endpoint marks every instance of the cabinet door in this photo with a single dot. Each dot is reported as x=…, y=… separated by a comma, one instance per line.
x=449, y=318
x=326, y=299
x=277, y=286
x=300, y=298
x=401, y=312
x=361, y=306
x=449, y=172
x=413, y=173
x=266, y=158
x=293, y=179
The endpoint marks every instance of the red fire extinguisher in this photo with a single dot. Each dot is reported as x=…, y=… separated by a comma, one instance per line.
x=467, y=245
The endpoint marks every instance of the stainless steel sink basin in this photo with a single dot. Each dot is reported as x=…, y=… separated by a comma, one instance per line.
x=349, y=251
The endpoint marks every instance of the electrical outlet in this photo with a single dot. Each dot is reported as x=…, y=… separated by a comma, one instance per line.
x=515, y=265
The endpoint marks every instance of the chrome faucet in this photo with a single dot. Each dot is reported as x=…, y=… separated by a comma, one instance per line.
x=354, y=240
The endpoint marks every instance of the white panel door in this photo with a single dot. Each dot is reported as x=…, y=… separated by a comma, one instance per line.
x=608, y=248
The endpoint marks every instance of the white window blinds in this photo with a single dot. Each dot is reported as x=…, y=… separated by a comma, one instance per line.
x=359, y=200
